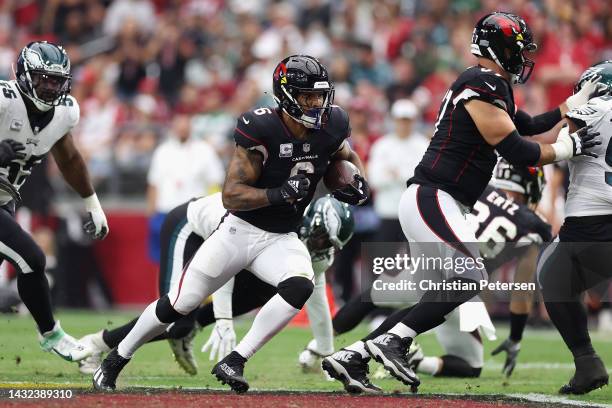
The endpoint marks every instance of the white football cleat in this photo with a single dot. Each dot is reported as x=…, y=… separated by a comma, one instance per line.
x=95, y=342
x=310, y=358
x=67, y=347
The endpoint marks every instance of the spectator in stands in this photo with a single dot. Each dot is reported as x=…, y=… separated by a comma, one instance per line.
x=392, y=162
x=182, y=168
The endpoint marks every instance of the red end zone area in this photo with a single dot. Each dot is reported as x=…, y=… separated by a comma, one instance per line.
x=189, y=399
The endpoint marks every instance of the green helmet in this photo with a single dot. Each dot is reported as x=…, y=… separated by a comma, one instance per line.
x=602, y=69
x=327, y=223
x=43, y=74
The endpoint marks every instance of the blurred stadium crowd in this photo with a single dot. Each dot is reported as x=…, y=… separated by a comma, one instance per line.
x=150, y=71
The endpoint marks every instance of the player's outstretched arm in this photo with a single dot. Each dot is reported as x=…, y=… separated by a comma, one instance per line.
x=496, y=127
x=244, y=170
x=73, y=168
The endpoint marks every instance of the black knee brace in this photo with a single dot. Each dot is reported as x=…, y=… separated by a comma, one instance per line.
x=453, y=366
x=165, y=312
x=296, y=290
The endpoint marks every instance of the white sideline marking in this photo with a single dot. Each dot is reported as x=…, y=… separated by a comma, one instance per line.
x=545, y=366
x=557, y=400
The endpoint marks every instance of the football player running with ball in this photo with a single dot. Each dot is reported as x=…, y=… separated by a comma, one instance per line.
x=477, y=118
x=280, y=156
x=37, y=115
x=579, y=258
x=326, y=228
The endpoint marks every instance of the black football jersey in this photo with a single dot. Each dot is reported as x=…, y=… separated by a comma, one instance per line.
x=458, y=159
x=501, y=221
x=284, y=156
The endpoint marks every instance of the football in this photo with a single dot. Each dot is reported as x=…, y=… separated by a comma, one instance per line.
x=339, y=173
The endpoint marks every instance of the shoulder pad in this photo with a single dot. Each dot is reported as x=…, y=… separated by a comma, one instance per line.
x=591, y=111
x=249, y=132
x=486, y=86
x=338, y=123
x=7, y=93
x=73, y=110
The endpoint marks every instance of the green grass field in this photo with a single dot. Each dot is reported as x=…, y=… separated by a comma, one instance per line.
x=544, y=362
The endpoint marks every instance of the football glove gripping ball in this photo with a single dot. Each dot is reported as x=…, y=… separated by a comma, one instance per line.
x=294, y=188
x=355, y=193
x=10, y=150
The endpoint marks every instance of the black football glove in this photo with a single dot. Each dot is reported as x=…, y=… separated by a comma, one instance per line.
x=294, y=188
x=512, y=349
x=7, y=187
x=584, y=139
x=355, y=193
x=10, y=150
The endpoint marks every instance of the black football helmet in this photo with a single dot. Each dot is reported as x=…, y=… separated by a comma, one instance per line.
x=602, y=69
x=504, y=38
x=43, y=74
x=302, y=74
x=529, y=181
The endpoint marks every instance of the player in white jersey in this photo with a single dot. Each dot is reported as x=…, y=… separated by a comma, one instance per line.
x=579, y=257
x=37, y=115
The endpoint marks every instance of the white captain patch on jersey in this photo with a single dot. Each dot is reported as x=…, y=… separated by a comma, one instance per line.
x=590, y=189
x=14, y=124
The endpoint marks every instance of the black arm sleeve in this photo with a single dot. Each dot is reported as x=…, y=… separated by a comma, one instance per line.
x=518, y=151
x=529, y=126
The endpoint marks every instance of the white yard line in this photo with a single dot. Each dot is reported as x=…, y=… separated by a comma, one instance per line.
x=541, y=365
x=558, y=400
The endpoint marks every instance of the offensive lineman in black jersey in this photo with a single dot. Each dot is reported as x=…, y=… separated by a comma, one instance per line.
x=477, y=117
x=502, y=217
x=280, y=156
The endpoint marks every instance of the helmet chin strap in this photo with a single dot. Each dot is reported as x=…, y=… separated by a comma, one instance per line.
x=514, y=78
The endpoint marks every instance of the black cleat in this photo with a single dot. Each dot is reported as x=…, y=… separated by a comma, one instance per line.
x=590, y=375
x=391, y=351
x=105, y=376
x=230, y=371
x=352, y=370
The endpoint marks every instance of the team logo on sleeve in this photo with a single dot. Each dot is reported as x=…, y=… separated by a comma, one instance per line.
x=286, y=150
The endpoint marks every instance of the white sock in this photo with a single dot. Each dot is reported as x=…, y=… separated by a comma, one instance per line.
x=147, y=327
x=430, y=365
x=272, y=317
x=403, y=331
x=359, y=347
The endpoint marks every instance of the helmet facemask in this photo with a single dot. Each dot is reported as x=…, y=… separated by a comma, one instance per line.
x=311, y=117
